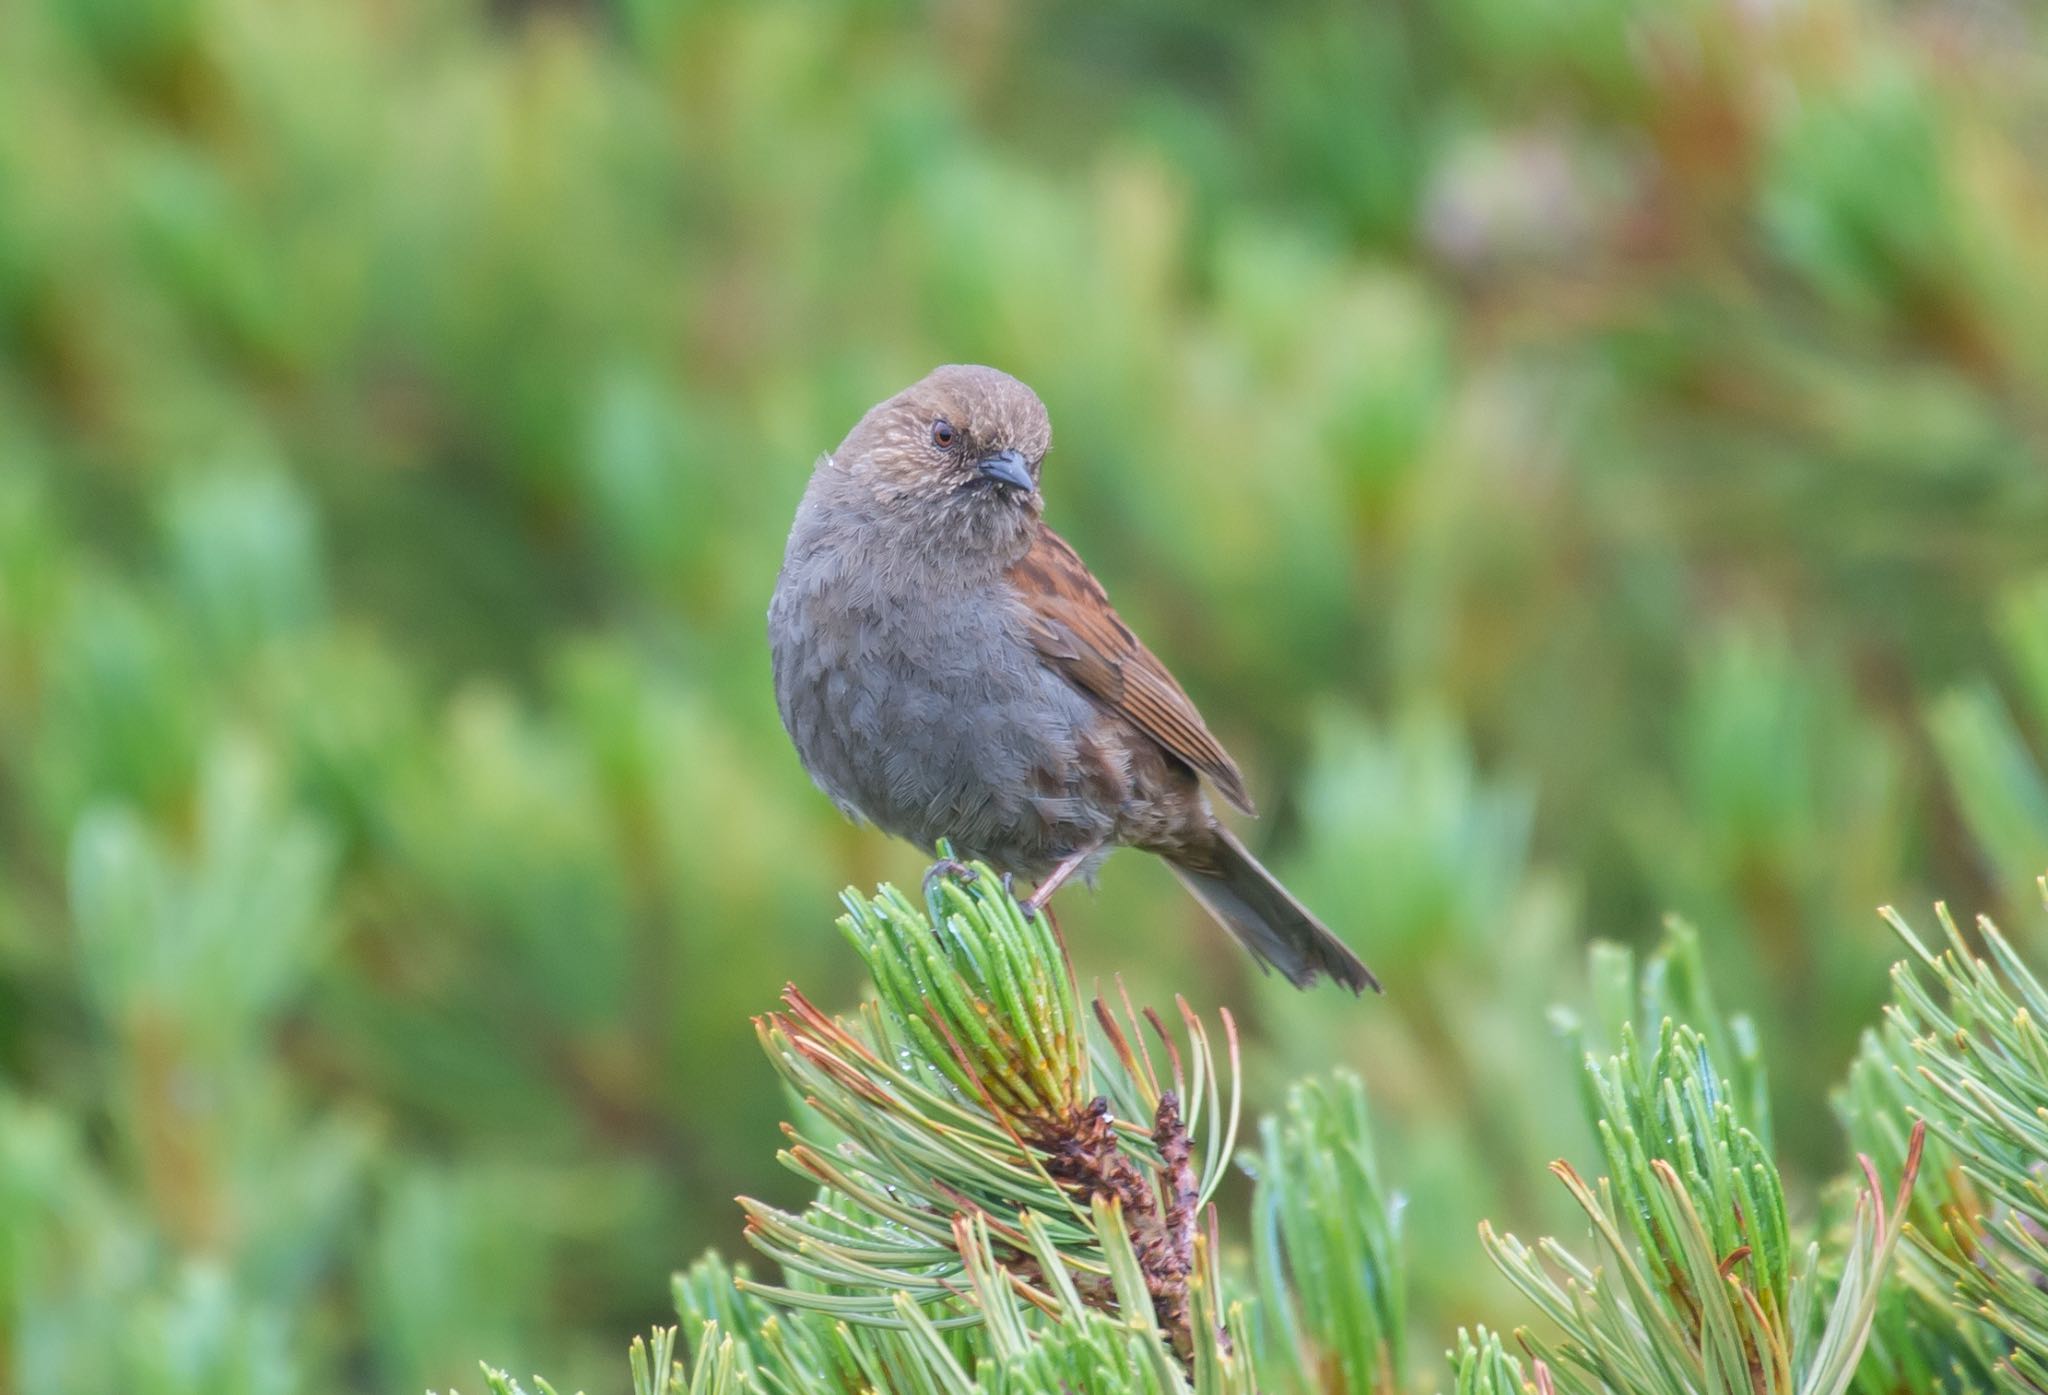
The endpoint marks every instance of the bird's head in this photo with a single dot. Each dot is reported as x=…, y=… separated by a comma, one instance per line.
x=955, y=457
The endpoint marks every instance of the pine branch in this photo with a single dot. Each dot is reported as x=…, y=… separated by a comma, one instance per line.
x=1694, y=1284
x=1005, y=1179
x=1964, y=1043
x=1481, y=1366
x=1326, y=1242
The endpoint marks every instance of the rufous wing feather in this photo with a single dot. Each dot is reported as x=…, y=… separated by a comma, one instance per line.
x=1077, y=632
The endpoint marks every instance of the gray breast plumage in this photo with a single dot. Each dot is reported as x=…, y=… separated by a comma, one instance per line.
x=921, y=708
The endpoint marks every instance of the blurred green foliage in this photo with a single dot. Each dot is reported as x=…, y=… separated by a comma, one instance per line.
x=1587, y=460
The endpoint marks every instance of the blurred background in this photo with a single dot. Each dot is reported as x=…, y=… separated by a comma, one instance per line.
x=1588, y=460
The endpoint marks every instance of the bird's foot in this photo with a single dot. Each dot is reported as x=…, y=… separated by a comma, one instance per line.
x=948, y=867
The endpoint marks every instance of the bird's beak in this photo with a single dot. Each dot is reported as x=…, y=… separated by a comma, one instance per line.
x=1008, y=467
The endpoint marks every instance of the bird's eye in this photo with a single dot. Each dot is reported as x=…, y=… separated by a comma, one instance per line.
x=942, y=434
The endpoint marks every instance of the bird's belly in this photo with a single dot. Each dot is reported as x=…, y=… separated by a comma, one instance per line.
x=992, y=752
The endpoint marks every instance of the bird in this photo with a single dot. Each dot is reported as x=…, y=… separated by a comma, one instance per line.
x=950, y=671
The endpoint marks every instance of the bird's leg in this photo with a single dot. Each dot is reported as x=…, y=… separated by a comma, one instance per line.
x=1065, y=868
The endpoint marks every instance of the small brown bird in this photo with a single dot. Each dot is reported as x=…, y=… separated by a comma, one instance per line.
x=948, y=669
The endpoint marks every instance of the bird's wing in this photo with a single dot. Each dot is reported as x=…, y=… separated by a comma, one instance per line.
x=1077, y=632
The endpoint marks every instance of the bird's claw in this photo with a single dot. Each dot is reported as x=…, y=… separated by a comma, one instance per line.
x=948, y=867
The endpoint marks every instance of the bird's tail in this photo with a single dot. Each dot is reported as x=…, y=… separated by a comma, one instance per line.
x=1264, y=917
